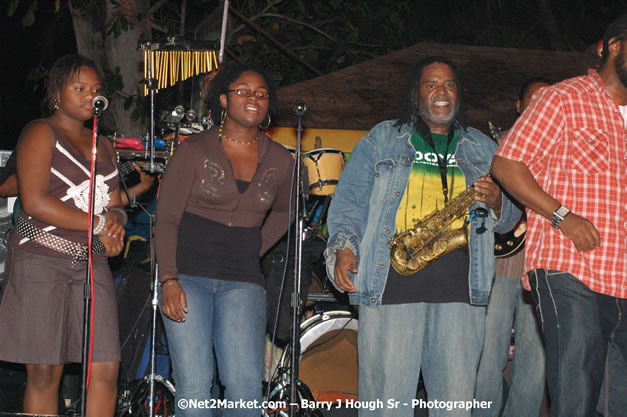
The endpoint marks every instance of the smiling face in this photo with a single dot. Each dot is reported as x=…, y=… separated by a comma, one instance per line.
x=74, y=99
x=247, y=112
x=437, y=97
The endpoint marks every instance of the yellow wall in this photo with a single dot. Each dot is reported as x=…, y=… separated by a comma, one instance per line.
x=343, y=140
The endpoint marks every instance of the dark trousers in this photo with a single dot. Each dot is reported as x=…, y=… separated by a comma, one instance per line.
x=579, y=326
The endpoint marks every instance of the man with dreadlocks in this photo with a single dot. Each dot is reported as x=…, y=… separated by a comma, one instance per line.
x=565, y=160
x=434, y=319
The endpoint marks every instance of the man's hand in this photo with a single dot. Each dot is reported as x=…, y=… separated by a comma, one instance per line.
x=488, y=192
x=581, y=231
x=173, y=300
x=345, y=261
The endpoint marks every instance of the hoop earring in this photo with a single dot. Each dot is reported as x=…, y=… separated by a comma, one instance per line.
x=261, y=126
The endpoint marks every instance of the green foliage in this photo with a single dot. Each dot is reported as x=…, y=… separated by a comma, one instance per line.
x=112, y=80
x=117, y=24
x=12, y=7
x=29, y=16
x=333, y=34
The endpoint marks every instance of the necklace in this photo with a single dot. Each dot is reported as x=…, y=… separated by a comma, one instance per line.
x=249, y=142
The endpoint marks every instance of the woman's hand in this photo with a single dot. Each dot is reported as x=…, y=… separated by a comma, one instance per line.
x=113, y=245
x=173, y=300
x=114, y=226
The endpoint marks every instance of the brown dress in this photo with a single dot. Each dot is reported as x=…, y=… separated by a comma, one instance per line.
x=41, y=309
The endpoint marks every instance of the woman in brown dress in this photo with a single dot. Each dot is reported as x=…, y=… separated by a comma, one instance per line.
x=41, y=308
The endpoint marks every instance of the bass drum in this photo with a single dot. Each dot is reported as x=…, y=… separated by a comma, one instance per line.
x=328, y=361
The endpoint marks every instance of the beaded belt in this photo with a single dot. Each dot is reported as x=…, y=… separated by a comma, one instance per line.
x=78, y=251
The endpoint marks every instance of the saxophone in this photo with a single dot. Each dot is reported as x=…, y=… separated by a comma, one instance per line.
x=414, y=249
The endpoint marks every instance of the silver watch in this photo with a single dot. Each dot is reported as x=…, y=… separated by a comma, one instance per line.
x=558, y=216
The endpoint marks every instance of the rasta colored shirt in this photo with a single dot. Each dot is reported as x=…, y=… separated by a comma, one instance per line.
x=444, y=280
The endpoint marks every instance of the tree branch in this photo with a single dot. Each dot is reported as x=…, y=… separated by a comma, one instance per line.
x=265, y=34
x=297, y=22
x=156, y=7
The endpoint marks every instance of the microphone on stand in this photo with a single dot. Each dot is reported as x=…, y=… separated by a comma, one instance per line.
x=100, y=104
x=299, y=106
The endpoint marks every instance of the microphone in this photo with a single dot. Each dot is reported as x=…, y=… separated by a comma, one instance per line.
x=100, y=103
x=299, y=106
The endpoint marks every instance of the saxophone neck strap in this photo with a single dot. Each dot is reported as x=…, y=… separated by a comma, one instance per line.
x=441, y=161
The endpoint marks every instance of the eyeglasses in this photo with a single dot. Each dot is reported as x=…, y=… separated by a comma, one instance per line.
x=244, y=92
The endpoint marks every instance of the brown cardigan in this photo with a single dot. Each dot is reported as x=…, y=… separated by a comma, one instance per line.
x=199, y=179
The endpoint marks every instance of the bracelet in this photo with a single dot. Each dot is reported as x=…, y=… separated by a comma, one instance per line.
x=167, y=279
x=102, y=221
x=121, y=211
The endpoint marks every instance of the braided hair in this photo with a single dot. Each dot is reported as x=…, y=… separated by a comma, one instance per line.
x=63, y=71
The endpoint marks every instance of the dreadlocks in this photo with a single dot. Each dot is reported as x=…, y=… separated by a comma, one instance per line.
x=409, y=106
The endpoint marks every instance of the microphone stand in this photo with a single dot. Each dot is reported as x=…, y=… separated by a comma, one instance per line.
x=296, y=300
x=85, y=357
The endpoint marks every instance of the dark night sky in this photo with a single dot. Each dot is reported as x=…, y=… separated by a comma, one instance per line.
x=21, y=49
x=25, y=48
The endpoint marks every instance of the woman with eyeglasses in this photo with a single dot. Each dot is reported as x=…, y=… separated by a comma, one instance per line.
x=224, y=201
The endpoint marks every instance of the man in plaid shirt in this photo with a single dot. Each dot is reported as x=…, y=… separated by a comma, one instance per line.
x=565, y=160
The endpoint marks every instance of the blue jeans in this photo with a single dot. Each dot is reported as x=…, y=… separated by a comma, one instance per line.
x=578, y=326
x=227, y=316
x=613, y=401
x=526, y=385
x=396, y=341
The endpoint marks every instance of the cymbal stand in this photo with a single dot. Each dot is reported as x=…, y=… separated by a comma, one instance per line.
x=151, y=83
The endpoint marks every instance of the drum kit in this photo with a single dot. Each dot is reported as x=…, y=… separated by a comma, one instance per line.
x=328, y=362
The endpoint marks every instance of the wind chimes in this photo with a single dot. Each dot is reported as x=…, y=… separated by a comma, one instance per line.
x=176, y=61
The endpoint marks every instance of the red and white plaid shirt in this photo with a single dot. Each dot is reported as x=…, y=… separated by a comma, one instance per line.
x=572, y=139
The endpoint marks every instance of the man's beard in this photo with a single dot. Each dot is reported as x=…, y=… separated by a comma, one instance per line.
x=428, y=116
x=621, y=70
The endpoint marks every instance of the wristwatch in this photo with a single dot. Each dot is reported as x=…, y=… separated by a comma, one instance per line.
x=558, y=216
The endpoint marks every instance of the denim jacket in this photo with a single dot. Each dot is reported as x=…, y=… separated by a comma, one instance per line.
x=362, y=214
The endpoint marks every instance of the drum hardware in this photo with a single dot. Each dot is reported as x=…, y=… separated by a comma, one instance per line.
x=173, y=117
x=316, y=215
x=324, y=166
x=143, y=155
x=279, y=393
x=206, y=122
x=132, y=399
x=328, y=363
x=150, y=393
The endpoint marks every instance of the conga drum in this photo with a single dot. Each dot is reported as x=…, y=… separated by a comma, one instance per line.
x=324, y=167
